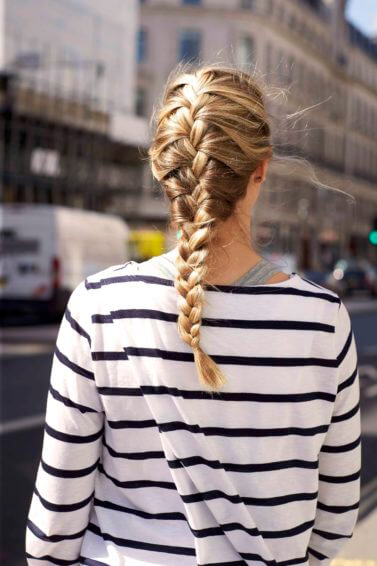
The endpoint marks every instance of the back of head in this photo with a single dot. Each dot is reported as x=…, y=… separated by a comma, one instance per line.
x=211, y=133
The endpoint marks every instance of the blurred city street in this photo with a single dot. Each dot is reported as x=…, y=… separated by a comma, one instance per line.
x=79, y=83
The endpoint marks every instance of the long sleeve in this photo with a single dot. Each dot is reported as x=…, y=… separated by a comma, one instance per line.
x=340, y=454
x=72, y=443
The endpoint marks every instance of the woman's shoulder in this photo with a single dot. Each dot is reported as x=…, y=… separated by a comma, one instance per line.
x=158, y=272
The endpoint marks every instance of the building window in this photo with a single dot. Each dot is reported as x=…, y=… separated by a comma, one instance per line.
x=245, y=50
x=142, y=44
x=268, y=62
x=192, y=2
x=189, y=44
x=141, y=101
x=247, y=4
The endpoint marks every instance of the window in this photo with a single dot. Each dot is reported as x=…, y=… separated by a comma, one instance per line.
x=192, y=2
x=142, y=44
x=189, y=44
x=291, y=68
x=247, y=4
x=268, y=61
x=245, y=50
x=141, y=101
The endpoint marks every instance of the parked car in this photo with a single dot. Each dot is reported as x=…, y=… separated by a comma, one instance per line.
x=347, y=276
x=46, y=250
x=371, y=271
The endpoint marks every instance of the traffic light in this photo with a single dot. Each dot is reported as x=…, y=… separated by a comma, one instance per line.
x=372, y=236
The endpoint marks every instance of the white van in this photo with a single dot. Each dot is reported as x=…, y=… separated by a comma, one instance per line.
x=46, y=250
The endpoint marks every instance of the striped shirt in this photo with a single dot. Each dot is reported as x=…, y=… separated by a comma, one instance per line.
x=141, y=465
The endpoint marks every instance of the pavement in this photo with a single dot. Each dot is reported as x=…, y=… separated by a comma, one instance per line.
x=360, y=304
x=361, y=549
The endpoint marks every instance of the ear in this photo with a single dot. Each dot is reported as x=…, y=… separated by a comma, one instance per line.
x=259, y=173
x=261, y=170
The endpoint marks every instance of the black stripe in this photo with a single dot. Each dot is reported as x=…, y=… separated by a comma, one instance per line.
x=76, y=326
x=128, y=279
x=102, y=318
x=74, y=438
x=145, y=455
x=348, y=415
x=181, y=550
x=191, y=551
x=317, y=554
x=345, y=348
x=111, y=356
x=262, y=501
x=132, y=423
x=172, y=516
x=91, y=562
x=60, y=473
x=340, y=479
x=178, y=516
x=132, y=484
x=243, y=290
x=68, y=403
x=342, y=447
x=219, y=431
x=52, y=538
x=337, y=508
x=235, y=360
x=330, y=536
x=232, y=467
x=124, y=265
x=220, y=395
x=348, y=382
x=213, y=494
x=216, y=322
x=293, y=561
x=312, y=283
x=293, y=531
x=63, y=508
x=72, y=366
x=197, y=460
x=58, y=561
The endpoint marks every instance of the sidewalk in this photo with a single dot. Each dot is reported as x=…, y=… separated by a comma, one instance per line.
x=361, y=549
x=358, y=305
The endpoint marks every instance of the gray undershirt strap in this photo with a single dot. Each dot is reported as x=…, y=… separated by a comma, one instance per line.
x=256, y=275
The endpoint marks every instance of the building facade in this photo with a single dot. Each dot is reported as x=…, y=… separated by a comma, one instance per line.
x=310, y=49
x=70, y=133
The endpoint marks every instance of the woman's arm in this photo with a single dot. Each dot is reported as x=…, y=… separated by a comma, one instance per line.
x=340, y=455
x=72, y=444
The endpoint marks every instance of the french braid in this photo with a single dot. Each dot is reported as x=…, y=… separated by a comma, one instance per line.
x=198, y=154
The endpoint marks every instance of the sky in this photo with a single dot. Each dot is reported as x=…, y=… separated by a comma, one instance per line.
x=363, y=14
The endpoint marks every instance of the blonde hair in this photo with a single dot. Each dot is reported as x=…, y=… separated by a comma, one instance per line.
x=212, y=130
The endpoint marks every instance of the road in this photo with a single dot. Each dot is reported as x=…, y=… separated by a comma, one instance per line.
x=26, y=358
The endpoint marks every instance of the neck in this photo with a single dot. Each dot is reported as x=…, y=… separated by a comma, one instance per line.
x=231, y=252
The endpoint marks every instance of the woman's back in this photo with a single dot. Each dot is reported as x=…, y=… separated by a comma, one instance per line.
x=194, y=425
x=255, y=474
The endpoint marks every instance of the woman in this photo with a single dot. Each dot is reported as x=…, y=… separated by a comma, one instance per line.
x=203, y=406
